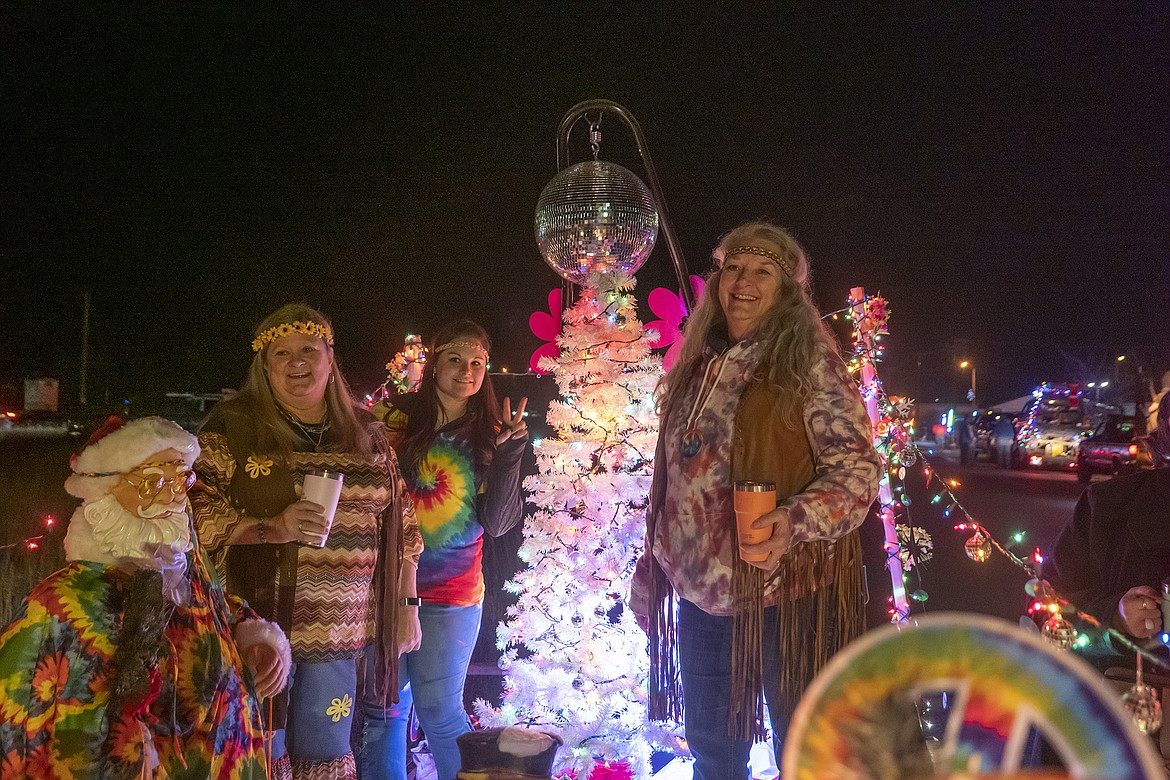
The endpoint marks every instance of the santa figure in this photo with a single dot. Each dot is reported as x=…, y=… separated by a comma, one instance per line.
x=131, y=662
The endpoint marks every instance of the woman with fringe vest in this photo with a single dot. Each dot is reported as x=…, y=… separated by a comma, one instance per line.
x=759, y=394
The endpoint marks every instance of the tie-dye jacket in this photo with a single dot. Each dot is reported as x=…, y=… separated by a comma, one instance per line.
x=693, y=542
x=56, y=674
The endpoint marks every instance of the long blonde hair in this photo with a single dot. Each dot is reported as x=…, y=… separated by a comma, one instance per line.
x=794, y=336
x=274, y=433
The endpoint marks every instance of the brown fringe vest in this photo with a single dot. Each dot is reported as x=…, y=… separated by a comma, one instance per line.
x=821, y=578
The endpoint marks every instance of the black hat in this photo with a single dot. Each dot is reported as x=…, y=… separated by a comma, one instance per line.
x=509, y=752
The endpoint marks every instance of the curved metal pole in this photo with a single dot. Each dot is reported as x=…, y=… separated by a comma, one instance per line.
x=566, y=129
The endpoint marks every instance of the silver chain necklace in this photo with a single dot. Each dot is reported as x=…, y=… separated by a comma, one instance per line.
x=313, y=433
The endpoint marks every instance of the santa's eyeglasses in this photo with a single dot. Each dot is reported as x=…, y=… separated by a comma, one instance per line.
x=150, y=485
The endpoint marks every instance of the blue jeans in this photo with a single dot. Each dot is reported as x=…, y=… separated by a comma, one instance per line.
x=431, y=678
x=705, y=663
x=320, y=712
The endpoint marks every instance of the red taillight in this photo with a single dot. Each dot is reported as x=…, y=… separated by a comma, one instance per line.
x=1133, y=448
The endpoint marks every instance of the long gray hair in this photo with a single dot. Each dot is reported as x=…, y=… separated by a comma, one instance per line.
x=274, y=433
x=795, y=338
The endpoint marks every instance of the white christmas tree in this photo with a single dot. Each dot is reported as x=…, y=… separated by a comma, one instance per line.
x=574, y=659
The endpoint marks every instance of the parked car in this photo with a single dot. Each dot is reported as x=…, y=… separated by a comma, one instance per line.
x=1116, y=446
x=1054, y=423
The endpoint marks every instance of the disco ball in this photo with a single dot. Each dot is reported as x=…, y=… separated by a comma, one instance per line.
x=595, y=216
x=1141, y=702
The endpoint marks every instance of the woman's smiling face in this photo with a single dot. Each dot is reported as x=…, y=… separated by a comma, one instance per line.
x=298, y=370
x=748, y=285
x=459, y=371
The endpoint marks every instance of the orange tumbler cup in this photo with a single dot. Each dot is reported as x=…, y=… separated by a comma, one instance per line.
x=753, y=500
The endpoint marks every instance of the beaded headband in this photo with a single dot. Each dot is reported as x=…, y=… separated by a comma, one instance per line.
x=290, y=328
x=762, y=252
x=469, y=344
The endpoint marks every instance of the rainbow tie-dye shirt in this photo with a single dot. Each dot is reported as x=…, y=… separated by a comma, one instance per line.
x=454, y=504
x=58, y=719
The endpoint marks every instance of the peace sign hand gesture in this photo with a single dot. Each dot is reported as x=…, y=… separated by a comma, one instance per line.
x=512, y=426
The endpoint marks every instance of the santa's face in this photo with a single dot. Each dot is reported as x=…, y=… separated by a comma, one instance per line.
x=143, y=520
x=157, y=488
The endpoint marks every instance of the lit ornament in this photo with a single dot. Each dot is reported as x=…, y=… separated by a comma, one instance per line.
x=978, y=547
x=914, y=545
x=1059, y=632
x=1141, y=702
x=1040, y=590
x=595, y=217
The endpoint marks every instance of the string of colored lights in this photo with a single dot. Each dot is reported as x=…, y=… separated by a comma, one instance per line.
x=1046, y=599
x=33, y=543
x=404, y=371
x=893, y=437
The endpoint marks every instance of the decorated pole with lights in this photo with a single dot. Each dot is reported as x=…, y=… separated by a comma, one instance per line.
x=865, y=334
x=404, y=371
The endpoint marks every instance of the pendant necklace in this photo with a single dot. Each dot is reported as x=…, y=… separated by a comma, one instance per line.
x=314, y=433
x=692, y=440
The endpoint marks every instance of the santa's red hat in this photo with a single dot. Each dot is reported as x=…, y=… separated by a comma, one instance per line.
x=118, y=447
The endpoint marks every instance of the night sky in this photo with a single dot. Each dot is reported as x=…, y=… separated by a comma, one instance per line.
x=999, y=175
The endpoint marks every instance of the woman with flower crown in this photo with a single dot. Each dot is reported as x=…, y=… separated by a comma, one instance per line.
x=336, y=588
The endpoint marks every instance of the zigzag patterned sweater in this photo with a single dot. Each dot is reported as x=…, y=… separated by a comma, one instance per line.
x=332, y=613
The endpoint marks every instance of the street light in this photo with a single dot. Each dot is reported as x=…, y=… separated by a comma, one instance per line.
x=969, y=364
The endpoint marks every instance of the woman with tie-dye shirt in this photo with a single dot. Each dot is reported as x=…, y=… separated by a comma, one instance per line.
x=460, y=455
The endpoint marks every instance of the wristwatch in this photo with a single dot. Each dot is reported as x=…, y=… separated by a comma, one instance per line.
x=410, y=601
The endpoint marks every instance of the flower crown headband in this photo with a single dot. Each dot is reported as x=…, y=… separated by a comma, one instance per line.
x=288, y=329
x=468, y=344
x=784, y=264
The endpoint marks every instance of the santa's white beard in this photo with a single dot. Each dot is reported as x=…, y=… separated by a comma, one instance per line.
x=103, y=532
x=160, y=532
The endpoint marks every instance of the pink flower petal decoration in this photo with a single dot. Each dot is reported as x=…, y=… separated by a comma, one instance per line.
x=669, y=306
x=551, y=350
x=546, y=326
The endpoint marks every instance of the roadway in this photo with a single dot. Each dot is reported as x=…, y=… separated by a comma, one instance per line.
x=1039, y=503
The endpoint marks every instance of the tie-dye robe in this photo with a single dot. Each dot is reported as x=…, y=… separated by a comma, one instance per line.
x=56, y=673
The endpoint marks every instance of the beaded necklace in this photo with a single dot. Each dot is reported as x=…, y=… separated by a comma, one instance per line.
x=692, y=440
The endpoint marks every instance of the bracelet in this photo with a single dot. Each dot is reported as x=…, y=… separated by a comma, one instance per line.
x=410, y=601
x=260, y=529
